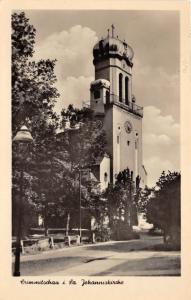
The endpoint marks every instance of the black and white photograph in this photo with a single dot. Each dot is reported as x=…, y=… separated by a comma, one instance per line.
x=95, y=143
x=95, y=149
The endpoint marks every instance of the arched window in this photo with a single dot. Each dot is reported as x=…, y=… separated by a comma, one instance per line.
x=107, y=97
x=105, y=177
x=126, y=90
x=120, y=87
x=96, y=94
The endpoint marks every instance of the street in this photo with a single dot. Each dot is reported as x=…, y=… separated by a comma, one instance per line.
x=114, y=258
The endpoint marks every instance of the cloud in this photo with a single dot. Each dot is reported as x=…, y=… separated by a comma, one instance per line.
x=73, y=90
x=161, y=143
x=160, y=124
x=159, y=140
x=72, y=49
x=154, y=86
x=74, y=67
x=155, y=165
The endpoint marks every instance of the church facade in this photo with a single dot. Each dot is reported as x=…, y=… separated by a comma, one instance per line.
x=115, y=106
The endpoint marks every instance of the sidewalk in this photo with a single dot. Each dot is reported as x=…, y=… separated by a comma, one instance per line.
x=59, y=252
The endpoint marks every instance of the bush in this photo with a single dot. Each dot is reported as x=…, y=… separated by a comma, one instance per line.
x=123, y=232
x=103, y=234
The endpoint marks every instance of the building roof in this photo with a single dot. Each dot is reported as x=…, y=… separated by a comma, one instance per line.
x=112, y=46
x=99, y=159
x=100, y=83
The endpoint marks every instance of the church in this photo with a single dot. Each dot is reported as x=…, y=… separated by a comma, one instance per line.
x=116, y=110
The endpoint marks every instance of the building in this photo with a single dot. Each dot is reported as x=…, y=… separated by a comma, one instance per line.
x=115, y=106
x=117, y=113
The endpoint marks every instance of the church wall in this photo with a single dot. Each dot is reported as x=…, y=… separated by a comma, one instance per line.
x=97, y=104
x=123, y=145
x=107, y=126
x=110, y=69
x=118, y=67
x=127, y=152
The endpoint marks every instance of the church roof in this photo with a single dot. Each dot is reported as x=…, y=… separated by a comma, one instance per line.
x=112, y=46
x=99, y=159
x=100, y=82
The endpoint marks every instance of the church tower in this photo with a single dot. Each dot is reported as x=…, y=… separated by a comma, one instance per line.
x=115, y=107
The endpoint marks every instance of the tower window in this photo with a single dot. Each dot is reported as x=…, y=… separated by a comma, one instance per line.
x=105, y=176
x=96, y=94
x=118, y=139
x=107, y=97
x=120, y=87
x=128, y=143
x=126, y=90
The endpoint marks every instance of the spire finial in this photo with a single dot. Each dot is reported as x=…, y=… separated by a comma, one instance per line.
x=113, y=28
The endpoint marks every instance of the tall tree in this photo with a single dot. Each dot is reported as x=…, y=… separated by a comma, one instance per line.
x=81, y=142
x=54, y=158
x=86, y=141
x=122, y=198
x=33, y=96
x=33, y=90
x=163, y=209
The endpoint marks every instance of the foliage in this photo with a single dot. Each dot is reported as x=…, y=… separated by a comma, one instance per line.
x=33, y=91
x=51, y=176
x=122, y=199
x=79, y=149
x=144, y=196
x=33, y=98
x=85, y=142
x=163, y=209
x=103, y=234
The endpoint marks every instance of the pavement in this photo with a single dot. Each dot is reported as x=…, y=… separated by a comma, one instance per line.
x=114, y=258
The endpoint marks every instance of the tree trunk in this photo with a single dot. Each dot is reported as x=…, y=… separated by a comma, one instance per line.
x=45, y=228
x=67, y=223
x=45, y=221
x=164, y=236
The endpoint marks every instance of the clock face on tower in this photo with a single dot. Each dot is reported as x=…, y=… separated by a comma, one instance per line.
x=128, y=127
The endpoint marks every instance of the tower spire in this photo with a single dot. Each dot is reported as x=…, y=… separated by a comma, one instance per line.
x=113, y=28
x=108, y=32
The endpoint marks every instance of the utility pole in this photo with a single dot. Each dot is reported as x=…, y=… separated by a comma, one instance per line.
x=80, y=200
x=18, y=240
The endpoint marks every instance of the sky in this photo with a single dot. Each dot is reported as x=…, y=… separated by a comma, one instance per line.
x=69, y=37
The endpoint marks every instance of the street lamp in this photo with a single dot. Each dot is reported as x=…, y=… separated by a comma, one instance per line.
x=22, y=139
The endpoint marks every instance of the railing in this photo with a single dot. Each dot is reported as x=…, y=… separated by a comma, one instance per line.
x=130, y=106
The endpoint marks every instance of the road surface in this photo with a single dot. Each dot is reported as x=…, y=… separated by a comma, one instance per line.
x=124, y=258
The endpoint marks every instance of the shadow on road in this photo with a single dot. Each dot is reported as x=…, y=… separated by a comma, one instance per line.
x=152, y=266
x=46, y=266
x=124, y=246
x=145, y=243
